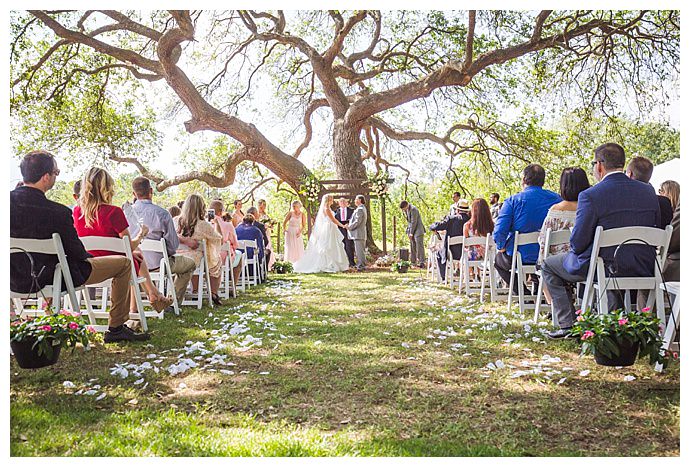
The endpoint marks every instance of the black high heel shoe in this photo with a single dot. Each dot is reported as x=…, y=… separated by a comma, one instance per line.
x=216, y=299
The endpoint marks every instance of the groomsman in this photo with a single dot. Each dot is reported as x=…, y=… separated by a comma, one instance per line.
x=344, y=213
x=357, y=231
x=415, y=232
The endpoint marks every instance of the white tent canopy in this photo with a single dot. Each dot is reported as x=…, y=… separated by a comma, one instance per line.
x=669, y=170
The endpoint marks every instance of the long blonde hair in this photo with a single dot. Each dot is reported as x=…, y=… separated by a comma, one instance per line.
x=671, y=190
x=193, y=211
x=97, y=188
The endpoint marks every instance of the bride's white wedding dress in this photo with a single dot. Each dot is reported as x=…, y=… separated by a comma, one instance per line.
x=325, y=251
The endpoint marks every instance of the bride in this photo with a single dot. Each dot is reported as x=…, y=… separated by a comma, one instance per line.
x=325, y=251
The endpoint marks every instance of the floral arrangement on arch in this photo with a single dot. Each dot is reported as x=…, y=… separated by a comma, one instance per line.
x=310, y=189
x=63, y=329
x=379, y=184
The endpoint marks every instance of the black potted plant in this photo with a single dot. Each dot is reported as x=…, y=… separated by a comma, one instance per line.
x=37, y=342
x=401, y=266
x=282, y=267
x=618, y=338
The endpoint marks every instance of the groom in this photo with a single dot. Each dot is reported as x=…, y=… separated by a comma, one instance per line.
x=344, y=213
x=357, y=231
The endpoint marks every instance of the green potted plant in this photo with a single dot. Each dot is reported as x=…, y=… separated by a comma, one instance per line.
x=282, y=267
x=618, y=338
x=37, y=342
x=401, y=266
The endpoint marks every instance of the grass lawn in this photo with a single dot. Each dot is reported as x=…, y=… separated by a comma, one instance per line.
x=352, y=364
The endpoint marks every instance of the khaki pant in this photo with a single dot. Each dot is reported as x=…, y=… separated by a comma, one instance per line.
x=182, y=267
x=119, y=269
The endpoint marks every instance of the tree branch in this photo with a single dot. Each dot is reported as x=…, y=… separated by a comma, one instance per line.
x=470, y=38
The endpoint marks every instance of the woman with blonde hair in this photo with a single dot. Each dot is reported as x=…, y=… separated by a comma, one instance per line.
x=293, y=225
x=96, y=216
x=671, y=190
x=195, y=223
x=237, y=214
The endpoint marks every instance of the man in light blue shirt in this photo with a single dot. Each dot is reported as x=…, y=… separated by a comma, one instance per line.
x=523, y=212
x=161, y=225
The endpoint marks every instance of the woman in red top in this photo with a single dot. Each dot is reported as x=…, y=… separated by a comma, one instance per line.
x=95, y=216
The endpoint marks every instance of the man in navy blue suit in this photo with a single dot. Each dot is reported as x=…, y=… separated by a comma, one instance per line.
x=616, y=201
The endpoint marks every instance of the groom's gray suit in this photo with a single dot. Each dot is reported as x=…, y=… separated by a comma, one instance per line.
x=357, y=231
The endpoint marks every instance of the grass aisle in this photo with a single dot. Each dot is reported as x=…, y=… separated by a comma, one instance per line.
x=349, y=364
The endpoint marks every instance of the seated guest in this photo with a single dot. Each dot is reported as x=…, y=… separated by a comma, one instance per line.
x=192, y=224
x=671, y=190
x=671, y=270
x=161, y=225
x=523, y=212
x=495, y=205
x=237, y=214
x=480, y=225
x=252, y=211
x=561, y=216
x=96, y=217
x=616, y=201
x=174, y=211
x=453, y=227
x=248, y=231
x=229, y=236
x=76, y=188
x=28, y=203
x=640, y=169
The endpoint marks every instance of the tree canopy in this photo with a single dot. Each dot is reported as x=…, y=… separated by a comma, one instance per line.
x=485, y=90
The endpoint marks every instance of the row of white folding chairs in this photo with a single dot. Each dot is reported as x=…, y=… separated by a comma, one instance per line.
x=162, y=276
x=596, y=284
x=485, y=266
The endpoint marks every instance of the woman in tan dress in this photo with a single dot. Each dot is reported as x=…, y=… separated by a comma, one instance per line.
x=193, y=224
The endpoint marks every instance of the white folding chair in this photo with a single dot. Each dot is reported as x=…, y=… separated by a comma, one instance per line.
x=630, y=236
x=432, y=270
x=247, y=278
x=484, y=274
x=51, y=246
x=450, y=260
x=227, y=274
x=163, y=276
x=552, y=238
x=673, y=323
x=519, y=270
x=118, y=245
x=203, y=281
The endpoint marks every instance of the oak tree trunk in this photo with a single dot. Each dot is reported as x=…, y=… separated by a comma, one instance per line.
x=348, y=165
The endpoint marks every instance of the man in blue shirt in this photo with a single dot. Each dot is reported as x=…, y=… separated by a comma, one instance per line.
x=523, y=212
x=160, y=224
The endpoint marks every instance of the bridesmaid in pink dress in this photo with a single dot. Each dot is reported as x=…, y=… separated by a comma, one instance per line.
x=293, y=225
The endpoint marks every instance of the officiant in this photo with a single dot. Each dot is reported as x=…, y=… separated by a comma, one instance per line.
x=343, y=213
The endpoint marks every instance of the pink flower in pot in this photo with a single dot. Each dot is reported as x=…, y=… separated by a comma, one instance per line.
x=587, y=335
